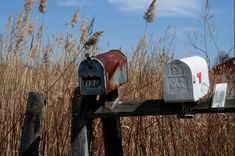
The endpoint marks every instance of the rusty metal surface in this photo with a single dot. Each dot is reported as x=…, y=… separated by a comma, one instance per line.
x=115, y=64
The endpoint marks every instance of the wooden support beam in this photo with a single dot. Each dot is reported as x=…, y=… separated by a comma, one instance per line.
x=81, y=129
x=112, y=131
x=30, y=134
x=159, y=107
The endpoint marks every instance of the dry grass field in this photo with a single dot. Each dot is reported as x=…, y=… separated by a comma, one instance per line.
x=28, y=63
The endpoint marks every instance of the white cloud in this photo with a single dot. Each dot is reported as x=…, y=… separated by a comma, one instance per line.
x=173, y=8
x=131, y=5
x=72, y=3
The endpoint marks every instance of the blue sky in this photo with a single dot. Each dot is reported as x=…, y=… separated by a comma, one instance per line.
x=123, y=25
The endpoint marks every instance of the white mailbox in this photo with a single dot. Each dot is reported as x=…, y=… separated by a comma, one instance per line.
x=185, y=80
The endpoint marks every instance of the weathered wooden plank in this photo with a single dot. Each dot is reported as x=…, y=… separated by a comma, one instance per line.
x=30, y=134
x=159, y=107
x=81, y=129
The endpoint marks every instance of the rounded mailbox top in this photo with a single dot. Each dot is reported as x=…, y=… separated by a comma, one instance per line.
x=111, y=60
x=194, y=62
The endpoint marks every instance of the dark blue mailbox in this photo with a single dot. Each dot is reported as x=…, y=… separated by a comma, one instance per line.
x=103, y=73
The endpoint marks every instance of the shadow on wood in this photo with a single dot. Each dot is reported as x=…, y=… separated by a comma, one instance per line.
x=112, y=131
x=159, y=107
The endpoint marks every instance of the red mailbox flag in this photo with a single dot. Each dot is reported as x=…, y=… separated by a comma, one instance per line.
x=199, y=76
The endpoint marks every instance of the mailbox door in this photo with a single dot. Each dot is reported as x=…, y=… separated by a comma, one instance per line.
x=178, y=85
x=92, y=77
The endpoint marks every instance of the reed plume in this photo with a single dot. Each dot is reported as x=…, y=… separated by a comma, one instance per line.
x=90, y=27
x=28, y=2
x=23, y=33
x=28, y=6
x=83, y=31
x=20, y=20
x=74, y=19
x=39, y=33
x=33, y=52
x=31, y=26
x=93, y=39
x=42, y=6
x=21, y=37
x=149, y=15
x=69, y=45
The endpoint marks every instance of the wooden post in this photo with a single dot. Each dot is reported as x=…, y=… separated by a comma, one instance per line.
x=30, y=134
x=112, y=131
x=81, y=132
